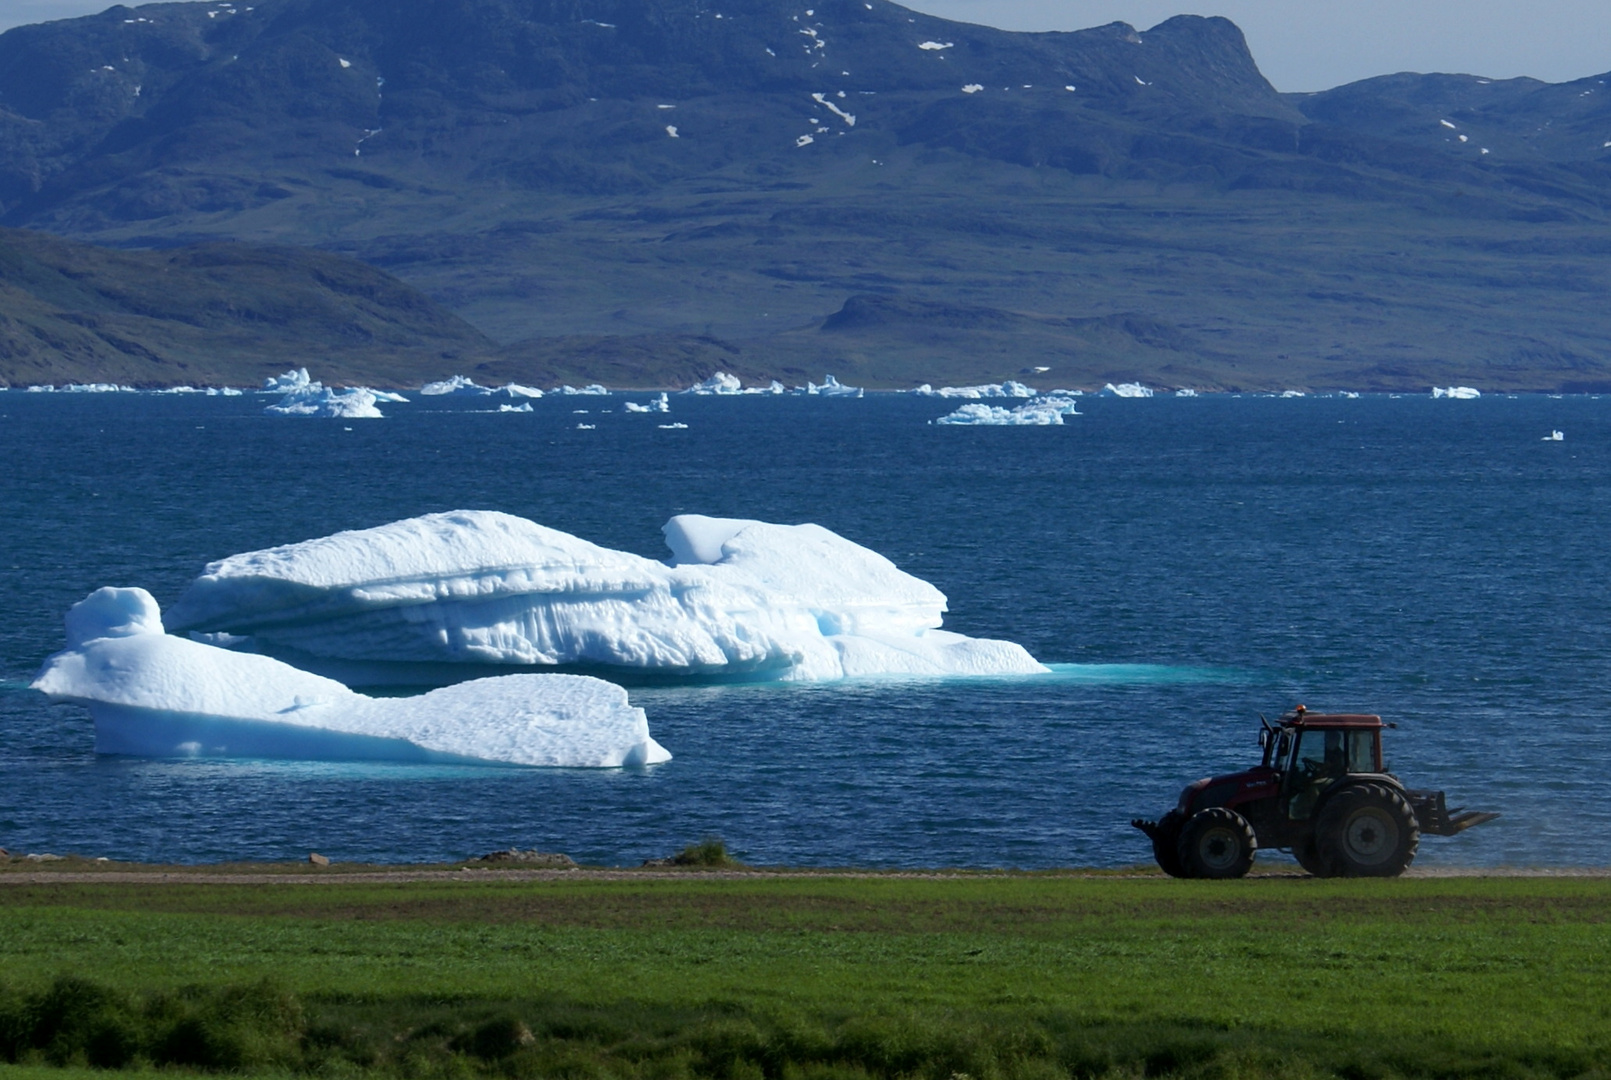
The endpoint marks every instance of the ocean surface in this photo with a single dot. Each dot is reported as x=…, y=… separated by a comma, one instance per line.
x=1183, y=563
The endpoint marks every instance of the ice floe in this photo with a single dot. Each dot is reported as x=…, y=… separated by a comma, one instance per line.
x=1046, y=410
x=1461, y=393
x=719, y=383
x=661, y=404
x=157, y=695
x=722, y=384
x=302, y=396
x=936, y=46
x=739, y=598
x=1185, y=391
x=515, y=390
x=1555, y=436
x=457, y=386
x=1008, y=389
x=97, y=388
x=1128, y=389
x=590, y=390
x=832, y=387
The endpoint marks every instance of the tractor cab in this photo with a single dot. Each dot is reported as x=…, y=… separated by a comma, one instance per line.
x=1310, y=752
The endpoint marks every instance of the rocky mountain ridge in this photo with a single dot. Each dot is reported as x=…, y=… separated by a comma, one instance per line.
x=594, y=182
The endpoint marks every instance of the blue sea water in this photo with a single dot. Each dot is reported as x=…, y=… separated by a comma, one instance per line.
x=1182, y=563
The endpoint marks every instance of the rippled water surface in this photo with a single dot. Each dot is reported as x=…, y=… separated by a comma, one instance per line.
x=1183, y=564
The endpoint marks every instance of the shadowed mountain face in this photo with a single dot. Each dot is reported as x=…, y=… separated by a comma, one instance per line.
x=595, y=182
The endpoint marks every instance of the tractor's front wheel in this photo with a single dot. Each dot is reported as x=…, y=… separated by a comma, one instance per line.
x=1217, y=843
x=1367, y=830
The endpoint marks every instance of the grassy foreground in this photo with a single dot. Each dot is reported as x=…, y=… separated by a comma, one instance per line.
x=988, y=978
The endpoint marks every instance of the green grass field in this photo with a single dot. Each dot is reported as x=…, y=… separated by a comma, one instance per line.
x=988, y=977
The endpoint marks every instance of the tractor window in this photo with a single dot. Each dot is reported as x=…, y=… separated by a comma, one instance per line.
x=1361, y=751
x=1280, y=747
x=1320, y=753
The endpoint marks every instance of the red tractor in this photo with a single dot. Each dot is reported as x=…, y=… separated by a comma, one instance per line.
x=1322, y=792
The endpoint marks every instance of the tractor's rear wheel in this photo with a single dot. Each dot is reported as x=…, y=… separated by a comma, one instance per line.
x=1217, y=843
x=1166, y=843
x=1367, y=830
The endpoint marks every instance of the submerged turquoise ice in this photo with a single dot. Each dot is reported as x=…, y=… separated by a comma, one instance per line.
x=1181, y=564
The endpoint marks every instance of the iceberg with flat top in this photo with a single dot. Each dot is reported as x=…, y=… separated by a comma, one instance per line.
x=737, y=598
x=1046, y=410
x=152, y=694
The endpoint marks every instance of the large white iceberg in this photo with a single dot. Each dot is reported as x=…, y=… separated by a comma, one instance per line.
x=738, y=598
x=156, y=695
x=1458, y=393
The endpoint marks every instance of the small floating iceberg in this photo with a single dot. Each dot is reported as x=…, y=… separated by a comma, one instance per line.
x=515, y=390
x=1555, y=436
x=737, y=598
x=1127, y=389
x=1007, y=389
x=156, y=695
x=720, y=383
x=590, y=390
x=1459, y=393
x=661, y=404
x=1045, y=411
x=304, y=397
x=831, y=387
x=457, y=386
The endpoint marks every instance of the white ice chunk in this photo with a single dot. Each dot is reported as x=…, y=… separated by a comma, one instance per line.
x=1460, y=393
x=695, y=538
x=156, y=695
x=524, y=406
x=459, y=386
x=308, y=398
x=972, y=88
x=1045, y=411
x=822, y=99
x=1185, y=391
x=515, y=390
x=97, y=388
x=1555, y=436
x=1293, y=393
x=1128, y=390
x=1007, y=389
x=590, y=390
x=719, y=383
x=345, y=63
x=935, y=46
x=661, y=404
x=831, y=387
x=804, y=140
x=794, y=602
x=1446, y=123
x=295, y=379
x=671, y=129
x=673, y=427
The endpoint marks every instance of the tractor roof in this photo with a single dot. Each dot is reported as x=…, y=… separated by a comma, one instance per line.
x=1301, y=717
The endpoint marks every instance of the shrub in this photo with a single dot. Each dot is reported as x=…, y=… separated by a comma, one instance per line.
x=711, y=851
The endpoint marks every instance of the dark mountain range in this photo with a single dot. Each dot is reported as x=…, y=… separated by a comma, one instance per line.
x=213, y=314
x=614, y=188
